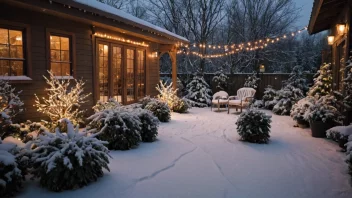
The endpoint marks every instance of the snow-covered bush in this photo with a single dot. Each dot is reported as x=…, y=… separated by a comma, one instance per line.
x=26, y=131
x=254, y=126
x=297, y=79
x=69, y=160
x=269, y=97
x=110, y=104
x=322, y=82
x=160, y=110
x=63, y=101
x=220, y=79
x=10, y=173
x=324, y=110
x=10, y=106
x=300, y=109
x=257, y=104
x=286, y=98
x=181, y=106
x=119, y=127
x=252, y=81
x=198, y=92
x=149, y=125
x=144, y=101
x=340, y=134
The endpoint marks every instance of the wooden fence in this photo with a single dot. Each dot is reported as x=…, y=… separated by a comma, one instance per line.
x=236, y=81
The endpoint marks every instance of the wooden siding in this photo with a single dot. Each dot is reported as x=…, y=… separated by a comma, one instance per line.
x=39, y=22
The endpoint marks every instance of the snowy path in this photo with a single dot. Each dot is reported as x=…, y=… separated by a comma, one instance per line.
x=199, y=155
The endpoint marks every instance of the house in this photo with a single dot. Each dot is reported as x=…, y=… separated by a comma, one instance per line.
x=335, y=16
x=114, y=52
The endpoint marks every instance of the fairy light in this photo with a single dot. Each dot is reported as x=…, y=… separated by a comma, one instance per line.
x=230, y=49
x=121, y=39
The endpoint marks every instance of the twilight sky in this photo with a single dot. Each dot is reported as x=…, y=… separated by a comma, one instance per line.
x=306, y=6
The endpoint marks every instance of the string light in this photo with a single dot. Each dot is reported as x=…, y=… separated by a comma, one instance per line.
x=121, y=39
x=250, y=46
x=251, y=43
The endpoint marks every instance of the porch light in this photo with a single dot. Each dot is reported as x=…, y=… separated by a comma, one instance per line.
x=154, y=55
x=341, y=27
x=262, y=68
x=331, y=40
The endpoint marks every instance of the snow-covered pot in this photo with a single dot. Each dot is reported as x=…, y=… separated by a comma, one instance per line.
x=319, y=128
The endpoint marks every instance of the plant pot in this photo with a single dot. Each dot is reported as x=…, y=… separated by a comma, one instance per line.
x=348, y=117
x=319, y=128
x=302, y=123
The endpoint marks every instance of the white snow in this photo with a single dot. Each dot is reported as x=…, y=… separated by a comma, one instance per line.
x=15, y=78
x=119, y=13
x=342, y=130
x=199, y=155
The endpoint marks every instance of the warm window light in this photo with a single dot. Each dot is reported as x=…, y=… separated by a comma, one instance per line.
x=154, y=54
x=331, y=40
x=262, y=68
x=341, y=28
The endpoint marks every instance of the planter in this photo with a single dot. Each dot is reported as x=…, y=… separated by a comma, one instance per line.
x=348, y=117
x=302, y=124
x=319, y=128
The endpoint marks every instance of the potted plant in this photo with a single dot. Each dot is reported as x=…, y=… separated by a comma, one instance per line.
x=300, y=109
x=323, y=115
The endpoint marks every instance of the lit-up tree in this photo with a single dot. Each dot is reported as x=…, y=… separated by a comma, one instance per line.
x=63, y=99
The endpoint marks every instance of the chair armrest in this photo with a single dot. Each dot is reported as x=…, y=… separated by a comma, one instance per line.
x=247, y=99
x=233, y=97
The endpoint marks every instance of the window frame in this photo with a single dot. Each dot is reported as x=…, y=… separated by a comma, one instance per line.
x=72, y=48
x=26, y=45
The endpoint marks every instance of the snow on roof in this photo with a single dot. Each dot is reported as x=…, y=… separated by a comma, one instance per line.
x=119, y=13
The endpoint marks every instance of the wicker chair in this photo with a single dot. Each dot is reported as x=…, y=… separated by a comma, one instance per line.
x=243, y=99
x=219, y=98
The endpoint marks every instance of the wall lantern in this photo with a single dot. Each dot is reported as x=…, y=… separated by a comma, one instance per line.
x=331, y=40
x=341, y=27
x=262, y=68
x=154, y=55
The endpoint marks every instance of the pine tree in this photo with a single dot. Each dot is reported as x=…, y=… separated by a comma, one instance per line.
x=322, y=82
x=297, y=79
x=252, y=81
x=198, y=92
x=220, y=79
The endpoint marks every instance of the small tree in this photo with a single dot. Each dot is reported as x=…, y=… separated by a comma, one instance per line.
x=252, y=81
x=10, y=106
x=322, y=82
x=63, y=99
x=198, y=92
x=297, y=79
x=220, y=79
x=167, y=94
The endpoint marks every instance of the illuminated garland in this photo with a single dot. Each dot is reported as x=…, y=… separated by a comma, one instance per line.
x=235, y=48
x=121, y=39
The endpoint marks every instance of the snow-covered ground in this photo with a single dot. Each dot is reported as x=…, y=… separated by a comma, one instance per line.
x=199, y=155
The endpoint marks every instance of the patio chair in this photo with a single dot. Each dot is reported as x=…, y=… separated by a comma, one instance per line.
x=219, y=98
x=243, y=99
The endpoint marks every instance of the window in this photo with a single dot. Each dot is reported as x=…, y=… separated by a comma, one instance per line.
x=11, y=52
x=130, y=84
x=60, y=55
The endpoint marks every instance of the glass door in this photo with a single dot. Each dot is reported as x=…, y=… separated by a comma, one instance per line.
x=103, y=69
x=121, y=72
x=117, y=77
x=130, y=78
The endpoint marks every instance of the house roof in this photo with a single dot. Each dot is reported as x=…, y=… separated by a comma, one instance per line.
x=110, y=12
x=324, y=14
